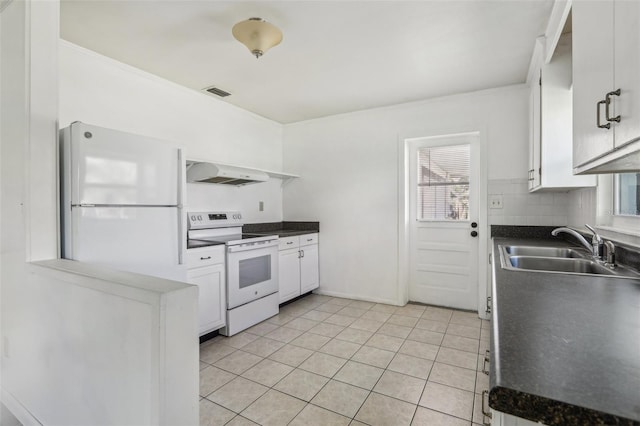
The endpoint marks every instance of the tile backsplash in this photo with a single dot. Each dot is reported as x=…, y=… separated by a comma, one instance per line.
x=520, y=207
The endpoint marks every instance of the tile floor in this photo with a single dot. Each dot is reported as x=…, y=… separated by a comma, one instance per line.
x=330, y=361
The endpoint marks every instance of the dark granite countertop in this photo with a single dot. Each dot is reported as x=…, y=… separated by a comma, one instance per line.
x=282, y=229
x=565, y=349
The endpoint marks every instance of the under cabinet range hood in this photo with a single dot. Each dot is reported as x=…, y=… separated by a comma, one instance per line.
x=228, y=175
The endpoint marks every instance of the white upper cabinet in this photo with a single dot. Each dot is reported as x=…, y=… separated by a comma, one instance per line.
x=606, y=123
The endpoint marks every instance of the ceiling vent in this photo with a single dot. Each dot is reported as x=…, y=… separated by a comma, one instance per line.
x=217, y=91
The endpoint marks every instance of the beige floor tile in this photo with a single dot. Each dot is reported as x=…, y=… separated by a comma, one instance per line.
x=280, y=319
x=469, y=319
x=302, y=384
x=203, y=365
x=316, y=315
x=274, y=409
x=457, y=357
x=357, y=423
x=312, y=415
x=464, y=331
x=329, y=330
x=373, y=356
x=426, y=336
x=213, y=415
x=241, y=421
x=311, y=341
x=431, y=325
x=485, y=334
x=291, y=355
x=214, y=352
x=341, y=398
x=382, y=341
x=340, y=348
x=486, y=325
x=361, y=375
x=340, y=301
x=262, y=328
x=361, y=304
x=342, y=320
x=239, y=340
x=410, y=310
x=302, y=324
x=238, y=362
x=263, y=346
x=238, y=394
x=329, y=307
x=211, y=378
x=323, y=364
x=365, y=324
x=376, y=316
x=354, y=335
x=267, y=372
x=402, y=320
x=437, y=314
x=412, y=366
x=426, y=417
x=453, y=376
x=350, y=311
x=419, y=349
x=448, y=400
x=384, y=411
x=461, y=343
x=400, y=386
x=484, y=346
x=388, y=309
x=284, y=334
x=395, y=330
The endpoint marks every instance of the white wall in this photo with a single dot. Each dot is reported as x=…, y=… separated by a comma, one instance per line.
x=101, y=91
x=349, y=178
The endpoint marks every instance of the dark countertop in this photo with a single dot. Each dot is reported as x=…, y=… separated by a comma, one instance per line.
x=282, y=229
x=282, y=233
x=565, y=349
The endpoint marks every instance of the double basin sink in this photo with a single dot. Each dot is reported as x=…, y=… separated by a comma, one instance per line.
x=558, y=260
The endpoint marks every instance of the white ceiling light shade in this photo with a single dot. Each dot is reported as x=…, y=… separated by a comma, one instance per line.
x=257, y=34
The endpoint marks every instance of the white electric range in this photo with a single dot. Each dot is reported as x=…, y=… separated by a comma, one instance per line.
x=251, y=267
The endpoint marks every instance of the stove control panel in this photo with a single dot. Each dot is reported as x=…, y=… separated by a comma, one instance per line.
x=206, y=220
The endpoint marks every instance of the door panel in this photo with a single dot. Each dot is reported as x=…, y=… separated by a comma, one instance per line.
x=289, y=274
x=211, y=297
x=113, y=167
x=443, y=255
x=309, y=273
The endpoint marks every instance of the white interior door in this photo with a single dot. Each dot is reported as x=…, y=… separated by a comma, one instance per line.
x=444, y=205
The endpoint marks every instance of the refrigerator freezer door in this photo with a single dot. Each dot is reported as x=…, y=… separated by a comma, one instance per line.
x=113, y=167
x=145, y=240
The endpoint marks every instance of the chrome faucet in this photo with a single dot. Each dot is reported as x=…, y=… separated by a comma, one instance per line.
x=596, y=241
x=611, y=253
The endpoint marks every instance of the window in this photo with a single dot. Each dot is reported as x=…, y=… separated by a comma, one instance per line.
x=443, y=182
x=627, y=194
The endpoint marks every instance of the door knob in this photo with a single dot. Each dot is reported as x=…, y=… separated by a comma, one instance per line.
x=474, y=233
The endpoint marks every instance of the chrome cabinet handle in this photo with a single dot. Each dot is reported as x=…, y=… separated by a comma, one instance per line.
x=601, y=126
x=290, y=242
x=302, y=251
x=485, y=361
x=486, y=412
x=205, y=258
x=607, y=99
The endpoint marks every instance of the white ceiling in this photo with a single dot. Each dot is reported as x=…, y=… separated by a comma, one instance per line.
x=336, y=56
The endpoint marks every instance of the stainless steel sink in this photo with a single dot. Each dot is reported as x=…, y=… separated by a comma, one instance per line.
x=577, y=266
x=544, y=251
x=559, y=260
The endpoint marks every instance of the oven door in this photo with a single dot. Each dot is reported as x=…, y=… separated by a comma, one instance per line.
x=252, y=272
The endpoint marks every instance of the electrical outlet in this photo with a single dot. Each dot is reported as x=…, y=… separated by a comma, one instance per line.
x=495, y=201
x=261, y=206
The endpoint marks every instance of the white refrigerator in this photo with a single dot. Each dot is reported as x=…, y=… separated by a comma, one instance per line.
x=122, y=198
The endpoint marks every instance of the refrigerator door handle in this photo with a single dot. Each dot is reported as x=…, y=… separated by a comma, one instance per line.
x=181, y=182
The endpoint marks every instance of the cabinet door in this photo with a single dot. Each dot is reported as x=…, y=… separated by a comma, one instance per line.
x=211, y=298
x=627, y=71
x=309, y=274
x=289, y=274
x=592, y=77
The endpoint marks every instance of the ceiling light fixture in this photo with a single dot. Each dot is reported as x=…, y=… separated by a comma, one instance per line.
x=257, y=34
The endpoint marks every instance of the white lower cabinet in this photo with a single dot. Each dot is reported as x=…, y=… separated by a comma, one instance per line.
x=298, y=266
x=207, y=271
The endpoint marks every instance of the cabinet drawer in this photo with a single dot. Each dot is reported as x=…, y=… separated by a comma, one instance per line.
x=289, y=243
x=308, y=239
x=197, y=258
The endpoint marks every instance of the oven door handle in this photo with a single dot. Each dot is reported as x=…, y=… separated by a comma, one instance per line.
x=252, y=246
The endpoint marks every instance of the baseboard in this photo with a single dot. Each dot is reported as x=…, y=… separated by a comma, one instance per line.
x=355, y=297
x=18, y=410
